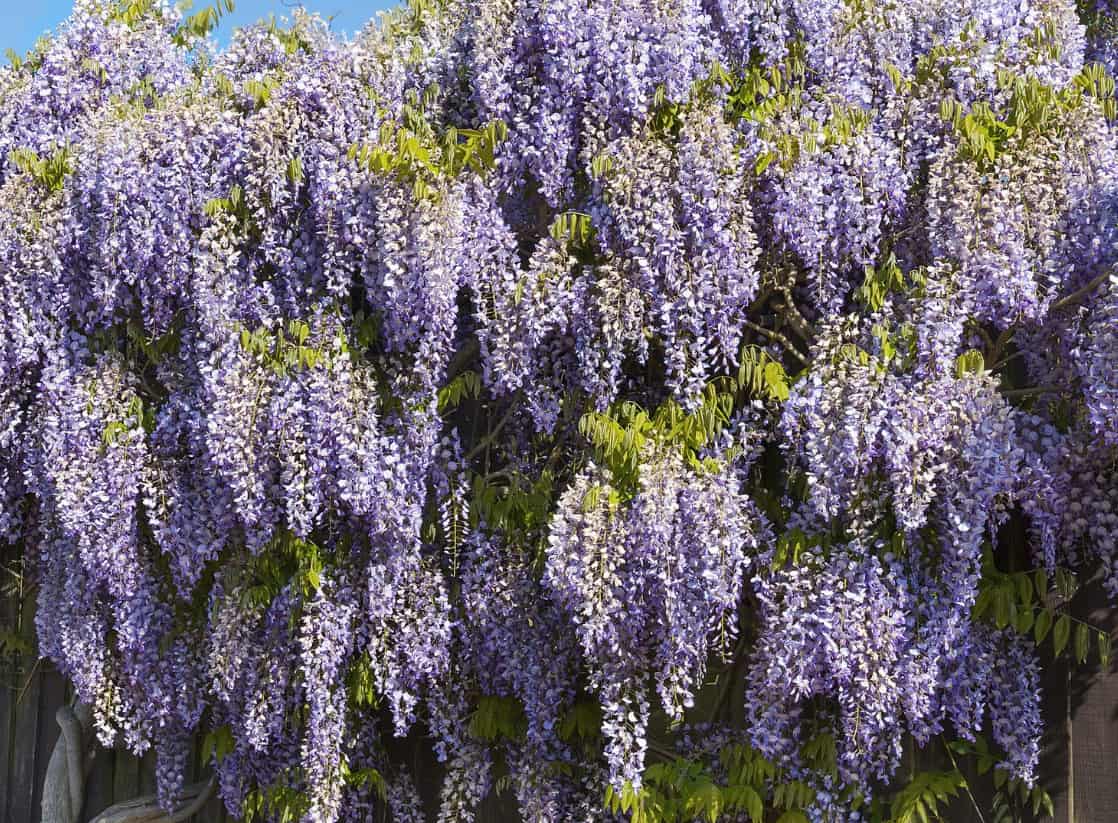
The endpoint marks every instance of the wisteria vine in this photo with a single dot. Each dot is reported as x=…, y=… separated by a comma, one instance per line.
x=636, y=400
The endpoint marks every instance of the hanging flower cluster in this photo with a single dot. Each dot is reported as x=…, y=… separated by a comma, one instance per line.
x=620, y=394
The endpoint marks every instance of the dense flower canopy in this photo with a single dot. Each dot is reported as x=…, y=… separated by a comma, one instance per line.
x=518, y=368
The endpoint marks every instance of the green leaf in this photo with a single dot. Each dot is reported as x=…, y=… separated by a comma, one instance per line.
x=1066, y=583
x=1082, y=642
x=1000, y=777
x=921, y=798
x=1060, y=634
x=1042, y=625
x=217, y=744
x=969, y=362
x=573, y=228
x=759, y=374
x=465, y=385
x=591, y=499
x=704, y=800
x=744, y=798
x=364, y=777
x=295, y=170
x=583, y=720
x=1104, y=649
x=776, y=381
x=12, y=643
x=983, y=602
x=600, y=166
x=1040, y=581
x=50, y=172
x=820, y=752
x=793, y=816
x=498, y=717
x=1003, y=605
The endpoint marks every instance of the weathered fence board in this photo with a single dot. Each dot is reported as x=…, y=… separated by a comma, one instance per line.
x=1093, y=699
x=99, y=788
x=126, y=776
x=26, y=765
x=8, y=617
x=1057, y=740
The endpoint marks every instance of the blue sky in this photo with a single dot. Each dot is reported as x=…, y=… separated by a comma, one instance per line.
x=22, y=21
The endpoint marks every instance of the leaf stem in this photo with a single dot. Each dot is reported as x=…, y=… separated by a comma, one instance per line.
x=1079, y=294
x=966, y=783
x=489, y=438
x=1033, y=391
x=780, y=339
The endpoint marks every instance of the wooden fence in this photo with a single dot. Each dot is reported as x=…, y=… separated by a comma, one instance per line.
x=1079, y=764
